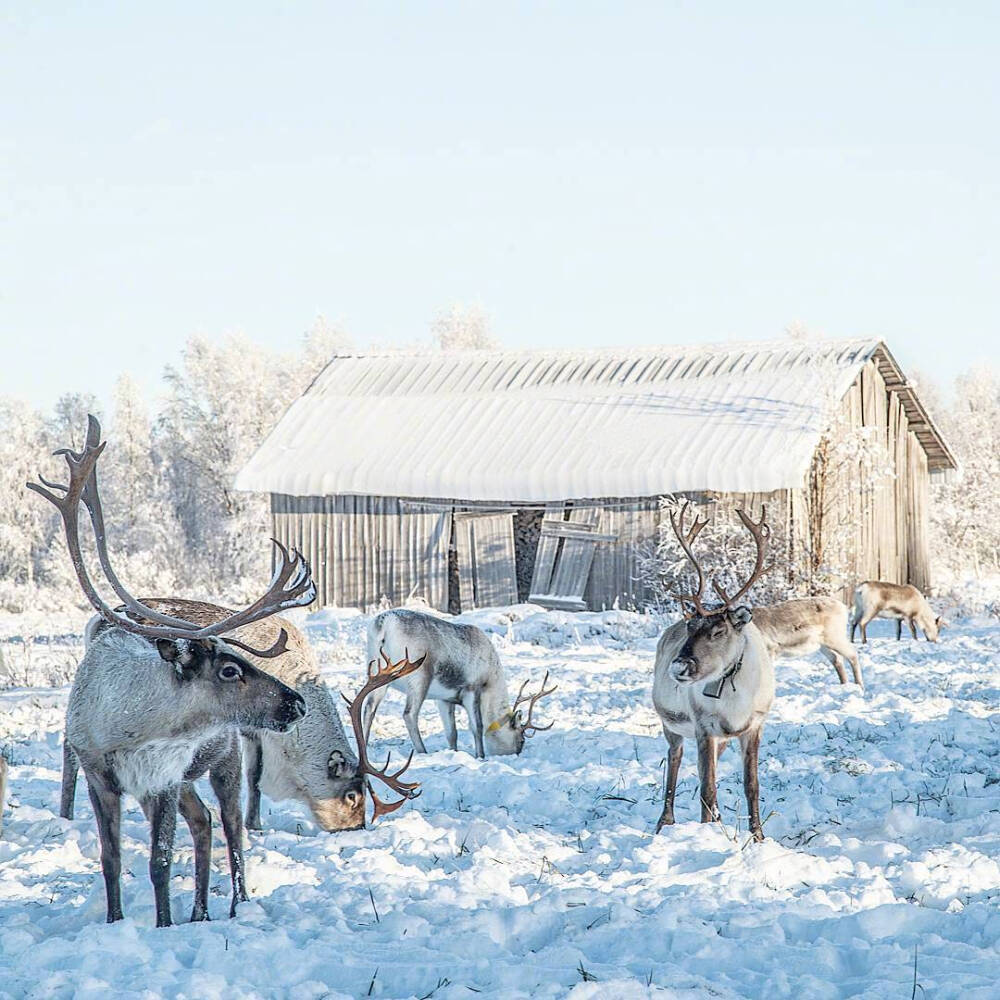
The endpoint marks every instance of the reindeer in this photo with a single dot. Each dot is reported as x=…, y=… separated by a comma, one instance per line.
x=462, y=668
x=155, y=706
x=714, y=680
x=806, y=624
x=874, y=599
x=313, y=763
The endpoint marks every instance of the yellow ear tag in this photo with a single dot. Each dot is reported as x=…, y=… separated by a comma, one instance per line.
x=494, y=726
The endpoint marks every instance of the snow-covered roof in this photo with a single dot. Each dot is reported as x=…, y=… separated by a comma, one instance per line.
x=557, y=425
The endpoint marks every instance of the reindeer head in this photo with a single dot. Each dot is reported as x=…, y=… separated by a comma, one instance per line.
x=342, y=802
x=715, y=639
x=933, y=630
x=714, y=642
x=211, y=673
x=506, y=736
x=379, y=675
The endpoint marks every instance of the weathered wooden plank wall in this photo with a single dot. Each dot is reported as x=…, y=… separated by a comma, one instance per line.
x=614, y=573
x=366, y=550
x=886, y=527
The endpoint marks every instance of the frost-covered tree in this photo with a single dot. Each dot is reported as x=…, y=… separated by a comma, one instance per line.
x=68, y=423
x=144, y=539
x=965, y=512
x=222, y=400
x=25, y=526
x=463, y=328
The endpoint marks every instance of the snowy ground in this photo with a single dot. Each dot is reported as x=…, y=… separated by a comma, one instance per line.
x=539, y=876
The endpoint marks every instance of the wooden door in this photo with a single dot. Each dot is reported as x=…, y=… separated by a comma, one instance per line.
x=484, y=544
x=565, y=553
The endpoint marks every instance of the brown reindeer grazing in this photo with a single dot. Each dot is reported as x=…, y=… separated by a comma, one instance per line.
x=713, y=681
x=806, y=624
x=874, y=599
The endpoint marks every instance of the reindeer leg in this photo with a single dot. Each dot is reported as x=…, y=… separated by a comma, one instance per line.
x=162, y=812
x=706, y=776
x=199, y=821
x=71, y=768
x=254, y=770
x=673, y=767
x=410, y=714
x=474, y=707
x=913, y=628
x=750, y=745
x=838, y=664
x=856, y=668
x=899, y=629
x=864, y=628
x=225, y=779
x=416, y=692
x=447, y=712
x=108, y=813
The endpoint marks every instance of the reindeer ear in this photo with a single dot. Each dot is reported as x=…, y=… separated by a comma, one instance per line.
x=180, y=654
x=740, y=617
x=337, y=766
x=167, y=648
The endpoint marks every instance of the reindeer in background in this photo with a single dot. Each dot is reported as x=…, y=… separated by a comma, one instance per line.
x=901, y=602
x=714, y=680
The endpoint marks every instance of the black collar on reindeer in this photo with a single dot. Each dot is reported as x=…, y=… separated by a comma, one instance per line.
x=713, y=689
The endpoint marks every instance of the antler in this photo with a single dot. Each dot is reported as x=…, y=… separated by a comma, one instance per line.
x=383, y=675
x=686, y=541
x=290, y=587
x=528, y=728
x=761, y=532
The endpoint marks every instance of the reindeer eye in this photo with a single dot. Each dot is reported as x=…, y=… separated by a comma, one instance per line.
x=230, y=672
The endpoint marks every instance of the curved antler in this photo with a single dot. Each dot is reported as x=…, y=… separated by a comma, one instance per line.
x=761, y=532
x=529, y=729
x=291, y=585
x=686, y=541
x=382, y=676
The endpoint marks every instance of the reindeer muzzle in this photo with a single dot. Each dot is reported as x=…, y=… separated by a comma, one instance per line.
x=292, y=710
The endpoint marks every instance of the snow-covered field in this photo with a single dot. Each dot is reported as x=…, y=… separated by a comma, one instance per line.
x=539, y=876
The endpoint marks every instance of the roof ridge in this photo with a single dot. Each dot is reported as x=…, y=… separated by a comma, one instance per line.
x=718, y=347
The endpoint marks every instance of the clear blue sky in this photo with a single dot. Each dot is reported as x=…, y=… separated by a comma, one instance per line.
x=590, y=173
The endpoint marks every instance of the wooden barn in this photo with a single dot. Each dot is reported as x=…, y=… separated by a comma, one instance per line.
x=483, y=478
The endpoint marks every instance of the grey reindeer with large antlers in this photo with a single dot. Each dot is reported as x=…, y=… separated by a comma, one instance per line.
x=714, y=679
x=462, y=668
x=155, y=706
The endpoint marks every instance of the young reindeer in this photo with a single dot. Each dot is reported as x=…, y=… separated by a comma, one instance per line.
x=874, y=599
x=805, y=625
x=713, y=681
x=313, y=763
x=462, y=668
